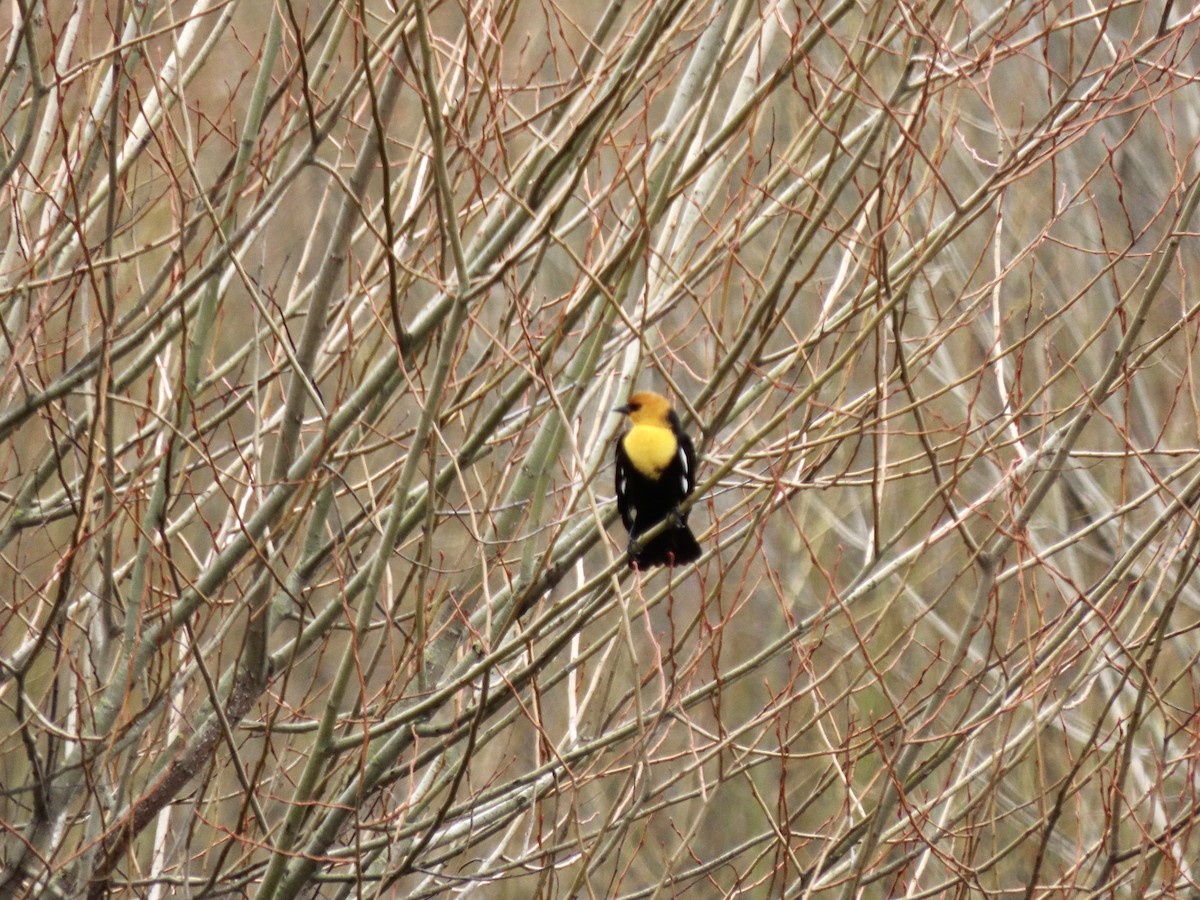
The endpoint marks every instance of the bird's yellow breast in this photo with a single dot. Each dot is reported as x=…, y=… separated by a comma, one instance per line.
x=650, y=449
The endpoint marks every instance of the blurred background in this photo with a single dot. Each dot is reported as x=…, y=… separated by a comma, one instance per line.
x=312, y=319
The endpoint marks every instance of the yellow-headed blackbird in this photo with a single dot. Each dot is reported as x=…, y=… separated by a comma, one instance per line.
x=656, y=469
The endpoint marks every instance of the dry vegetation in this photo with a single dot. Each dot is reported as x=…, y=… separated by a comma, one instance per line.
x=311, y=319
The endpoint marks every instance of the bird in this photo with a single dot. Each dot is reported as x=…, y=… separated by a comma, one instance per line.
x=656, y=471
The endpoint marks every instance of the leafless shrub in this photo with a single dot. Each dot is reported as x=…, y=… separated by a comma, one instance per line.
x=312, y=318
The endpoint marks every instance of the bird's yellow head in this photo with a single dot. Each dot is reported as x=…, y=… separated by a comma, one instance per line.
x=647, y=408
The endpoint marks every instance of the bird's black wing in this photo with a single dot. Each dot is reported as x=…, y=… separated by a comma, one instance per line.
x=687, y=460
x=624, y=467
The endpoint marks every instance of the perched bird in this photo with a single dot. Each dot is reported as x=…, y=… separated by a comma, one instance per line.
x=656, y=469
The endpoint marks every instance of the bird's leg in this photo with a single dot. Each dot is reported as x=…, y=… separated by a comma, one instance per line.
x=635, y=546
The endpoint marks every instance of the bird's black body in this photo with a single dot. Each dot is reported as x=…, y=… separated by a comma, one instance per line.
x=656, y=471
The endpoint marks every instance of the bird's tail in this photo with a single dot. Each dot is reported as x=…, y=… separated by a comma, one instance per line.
x=676, y=546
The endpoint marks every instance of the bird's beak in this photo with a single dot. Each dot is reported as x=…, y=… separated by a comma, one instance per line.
x=623, y=410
